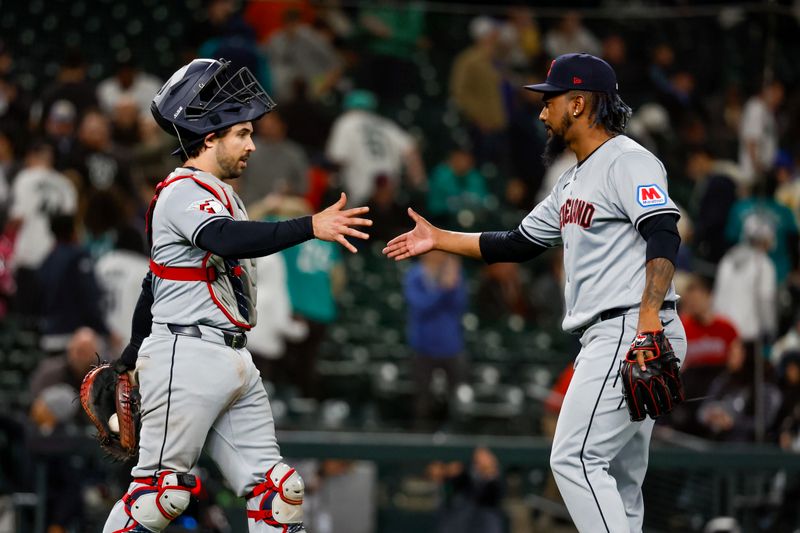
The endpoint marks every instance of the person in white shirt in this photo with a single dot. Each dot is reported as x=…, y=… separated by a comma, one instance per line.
x=746, y=286
x=120, y=273
x=128, y=80
x=758, y=133
x=366, y=145
x=38, y=193
x=571, y=36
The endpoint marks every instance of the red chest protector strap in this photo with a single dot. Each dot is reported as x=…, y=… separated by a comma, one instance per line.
x=207, y=274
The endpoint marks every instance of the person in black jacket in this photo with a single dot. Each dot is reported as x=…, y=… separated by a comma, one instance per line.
x=71, y=297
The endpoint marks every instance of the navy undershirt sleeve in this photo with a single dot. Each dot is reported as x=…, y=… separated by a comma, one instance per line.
x=661, y=234
x=141, y=324
x=508, y=247
x=244, y=239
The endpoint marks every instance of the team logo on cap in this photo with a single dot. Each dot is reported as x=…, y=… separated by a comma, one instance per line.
x=650, y=195
x=209, y=205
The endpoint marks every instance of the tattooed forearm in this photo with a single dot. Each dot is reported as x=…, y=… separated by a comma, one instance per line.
x=658, y=276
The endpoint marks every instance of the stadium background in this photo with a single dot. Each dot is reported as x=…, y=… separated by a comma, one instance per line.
x=372, y=463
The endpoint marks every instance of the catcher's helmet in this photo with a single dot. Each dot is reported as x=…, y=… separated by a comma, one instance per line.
x=203, y=97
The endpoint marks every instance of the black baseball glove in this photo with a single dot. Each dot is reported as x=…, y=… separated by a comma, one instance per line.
x=111, y=400
x=658, y=389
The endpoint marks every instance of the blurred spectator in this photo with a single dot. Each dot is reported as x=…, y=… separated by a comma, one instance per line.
x=712, y=341
x=69, y=368
x=662, y=61
x=39, y=192
x=725, y=114
x=570, y=35
x=784, y=247
x=9, y=166
x=267, y=340
x=55, y=405
x=53, y=413
x=502, y=293
x=308, y=122
x=521, y=37
x=105, y=216
x=71, y=84
x=71, y=296
x=713, y=197
x=759, y=135
x=120, y=273
x=526, y=141
x=455, y=184
x=788, y=192
x=790, y=342
x=746, y=286
x=14, y=105
x=278, y=165
x=97, y=161
x=476, y=90
x=299, y=51
x=389, y=217
x=436, y=296
x=59, y=130
x=224, y=33
x=315, y=276
x=729, y=412
x=125, y=130
x=789, y=381
x=472, y=495
x=393, y=33
x=221, y=19
x=366, y=145
x=128, y=82
x=266, y=18
x=629, y=75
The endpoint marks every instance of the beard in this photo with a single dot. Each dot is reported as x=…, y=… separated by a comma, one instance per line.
x=556, y=144
x=228, y=164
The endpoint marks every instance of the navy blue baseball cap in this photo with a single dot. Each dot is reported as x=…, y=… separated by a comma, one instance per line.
x=582, y=72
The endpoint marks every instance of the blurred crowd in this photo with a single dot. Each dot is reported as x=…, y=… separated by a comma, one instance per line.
x=80, y=156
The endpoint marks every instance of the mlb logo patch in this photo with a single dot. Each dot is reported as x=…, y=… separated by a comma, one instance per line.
x=650, y=195
x=209, y=205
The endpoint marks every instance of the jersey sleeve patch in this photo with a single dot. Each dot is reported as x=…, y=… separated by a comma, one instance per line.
x=650, y=195
x=209, y=205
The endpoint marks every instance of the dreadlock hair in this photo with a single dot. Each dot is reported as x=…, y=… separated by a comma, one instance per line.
x=606, y=110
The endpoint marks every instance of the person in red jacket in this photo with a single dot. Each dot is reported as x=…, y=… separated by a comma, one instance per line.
x=712, y=340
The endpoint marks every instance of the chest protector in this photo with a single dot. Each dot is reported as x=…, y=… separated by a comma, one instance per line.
x=231, y=282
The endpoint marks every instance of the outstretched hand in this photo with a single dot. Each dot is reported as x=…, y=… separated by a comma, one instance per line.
x=415, y=242
x=334, y=223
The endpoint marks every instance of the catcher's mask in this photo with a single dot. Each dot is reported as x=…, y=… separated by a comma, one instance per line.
x=204, y=97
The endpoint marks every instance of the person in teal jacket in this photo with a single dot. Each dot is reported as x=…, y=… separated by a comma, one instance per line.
x=454, y=185
x=783, y=253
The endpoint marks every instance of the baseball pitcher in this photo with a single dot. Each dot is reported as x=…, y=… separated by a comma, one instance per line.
x=612, y=214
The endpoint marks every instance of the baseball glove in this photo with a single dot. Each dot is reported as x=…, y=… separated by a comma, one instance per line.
x=658, y=389
x=111, y=400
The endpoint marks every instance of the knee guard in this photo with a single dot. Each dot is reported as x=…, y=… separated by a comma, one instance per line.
x=281, y=503
x=160, y=500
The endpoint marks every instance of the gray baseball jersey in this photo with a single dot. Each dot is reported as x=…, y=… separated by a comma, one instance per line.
x=182, y=210
x=595, y=210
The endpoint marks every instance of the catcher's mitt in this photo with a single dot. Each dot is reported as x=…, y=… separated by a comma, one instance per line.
x=111, y=400
x=657, y=390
